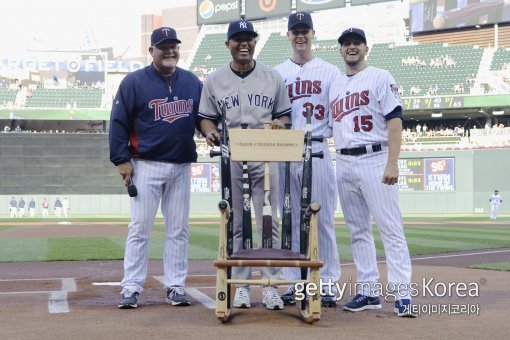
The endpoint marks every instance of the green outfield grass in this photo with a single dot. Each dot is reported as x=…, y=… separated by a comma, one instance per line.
x=504, y=266
x=433, y=234
x=58, y=114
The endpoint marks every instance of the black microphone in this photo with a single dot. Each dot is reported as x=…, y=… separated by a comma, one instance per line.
x=131, y=189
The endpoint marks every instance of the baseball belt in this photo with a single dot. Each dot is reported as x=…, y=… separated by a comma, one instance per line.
x=361, y=150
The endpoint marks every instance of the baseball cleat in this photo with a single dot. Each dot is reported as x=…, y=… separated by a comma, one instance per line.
x=362, y=302
x=128, y=300
x=288, y=298
x=176, y=296
x=270, y=299
x=404, y=308
x=242, y=298
x=328, y=300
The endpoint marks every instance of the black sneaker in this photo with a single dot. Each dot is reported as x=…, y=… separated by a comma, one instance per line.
x=328, y=300
x=176, y=296
x=128, y=300
x=404, y=308
x=288, y=298
x=362, y=302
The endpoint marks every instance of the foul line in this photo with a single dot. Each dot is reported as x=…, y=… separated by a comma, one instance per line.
x=202, y=298
x=460, y=255
x=57, y=300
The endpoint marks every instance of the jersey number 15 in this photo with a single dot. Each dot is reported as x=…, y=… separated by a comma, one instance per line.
x=363, y=123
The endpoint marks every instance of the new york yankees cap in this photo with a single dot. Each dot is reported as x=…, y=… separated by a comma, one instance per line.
x=300, y=18
x=163, y=33
x=352, y=31
x=239, y=26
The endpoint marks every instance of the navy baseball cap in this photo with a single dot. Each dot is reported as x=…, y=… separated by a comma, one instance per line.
x=300, y=18
x=163, y=33
x=239, y=26
x=352, y=31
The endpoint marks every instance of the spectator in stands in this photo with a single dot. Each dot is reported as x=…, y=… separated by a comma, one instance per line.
x=418, y=129
x=432, y=91
x=458, y=88
x=470, y=79
x=400, y=90
x=415, y=90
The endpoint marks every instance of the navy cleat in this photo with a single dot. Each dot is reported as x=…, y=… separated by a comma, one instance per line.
x=362, y=302
x=404, y=308
x=128, y=300
x=176, y=296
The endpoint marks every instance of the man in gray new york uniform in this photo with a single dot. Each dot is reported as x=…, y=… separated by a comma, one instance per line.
x=252, y=94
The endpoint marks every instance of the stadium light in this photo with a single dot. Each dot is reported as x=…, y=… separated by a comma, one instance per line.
x=437, y=114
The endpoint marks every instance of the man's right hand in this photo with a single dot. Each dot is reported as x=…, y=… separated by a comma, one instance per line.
x=126, y=171
x=212, y=137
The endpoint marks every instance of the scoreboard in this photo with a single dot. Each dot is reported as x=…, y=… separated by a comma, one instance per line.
x=425, y=103
x=426, y=174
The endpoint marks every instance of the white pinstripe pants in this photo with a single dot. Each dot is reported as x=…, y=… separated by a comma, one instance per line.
x=256, y=172
x=363, y=195
x=324, y=192
x=168, y=183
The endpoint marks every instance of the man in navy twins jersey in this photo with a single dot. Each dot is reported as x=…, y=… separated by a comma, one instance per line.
x=151, y=142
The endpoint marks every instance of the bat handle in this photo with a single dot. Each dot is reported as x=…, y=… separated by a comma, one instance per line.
x=214, y=153
x=318, y=139
x=319, y=154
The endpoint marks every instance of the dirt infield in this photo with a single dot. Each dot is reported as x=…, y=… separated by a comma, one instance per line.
x=27, y=295
x=48, y=300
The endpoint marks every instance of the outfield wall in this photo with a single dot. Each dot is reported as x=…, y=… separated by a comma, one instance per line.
x=77, y=166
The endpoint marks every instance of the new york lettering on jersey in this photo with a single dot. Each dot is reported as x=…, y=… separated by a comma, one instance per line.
x=252, y=100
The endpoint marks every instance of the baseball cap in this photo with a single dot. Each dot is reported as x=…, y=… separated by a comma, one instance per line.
x=239, y=26
x=352, y=31
x=163, y=33
x=300, y=18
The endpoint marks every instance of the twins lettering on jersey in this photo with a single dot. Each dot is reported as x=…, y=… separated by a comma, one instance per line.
x=171, y=111
x=253, y=100
x=340, y=108
x=303, y=88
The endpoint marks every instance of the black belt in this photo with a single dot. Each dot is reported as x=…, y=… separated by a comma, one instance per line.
x=361, y=150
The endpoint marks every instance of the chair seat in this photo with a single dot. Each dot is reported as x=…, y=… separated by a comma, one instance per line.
x=266, y=254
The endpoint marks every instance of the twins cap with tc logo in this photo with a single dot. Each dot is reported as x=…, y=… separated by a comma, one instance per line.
x=300, y=18
x=163, y=33
x=239, y=26
x=352, y=31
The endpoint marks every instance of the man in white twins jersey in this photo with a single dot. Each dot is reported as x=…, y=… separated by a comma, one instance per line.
x=366, y=116
x=252, y=94
x=308, y=81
